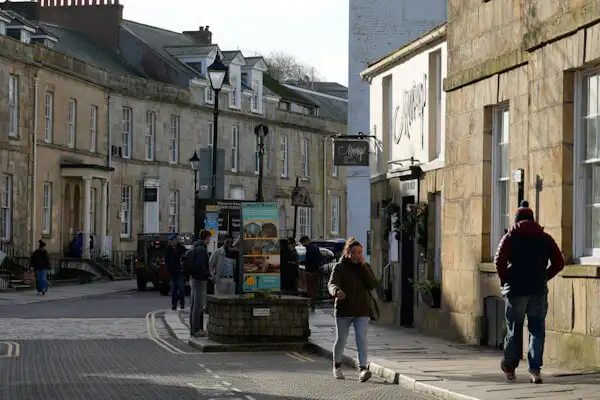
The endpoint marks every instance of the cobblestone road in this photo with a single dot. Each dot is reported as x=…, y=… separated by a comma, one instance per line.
x=60, y=351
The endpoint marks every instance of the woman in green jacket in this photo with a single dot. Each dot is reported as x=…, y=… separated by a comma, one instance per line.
x=350, y=283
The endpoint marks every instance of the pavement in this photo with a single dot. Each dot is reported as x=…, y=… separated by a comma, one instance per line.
x=433, y=367
x=66, y=292
x=116, y=346
x=448, y=370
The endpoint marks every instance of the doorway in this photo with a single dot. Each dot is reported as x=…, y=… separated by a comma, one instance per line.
x=407, y=258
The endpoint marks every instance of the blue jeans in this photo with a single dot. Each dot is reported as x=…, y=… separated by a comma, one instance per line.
x=342, y=325
x=41, y=280
x=198, y=304
x=178, y=291
x=516, y=308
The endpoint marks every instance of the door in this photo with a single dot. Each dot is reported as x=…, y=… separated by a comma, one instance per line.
x=407, y=258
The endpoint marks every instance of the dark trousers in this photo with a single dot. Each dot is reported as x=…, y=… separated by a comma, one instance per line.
x=178, y=291
x=535, y=309
x=311, y=287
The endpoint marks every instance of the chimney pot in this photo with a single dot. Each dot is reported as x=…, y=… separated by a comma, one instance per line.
x=206, y=27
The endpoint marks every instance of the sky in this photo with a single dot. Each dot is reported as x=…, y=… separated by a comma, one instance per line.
x=314, y=31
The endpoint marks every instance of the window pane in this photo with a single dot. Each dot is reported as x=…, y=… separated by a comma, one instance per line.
x=594, y=227
x=503, y=205
x=504, y=162
x=592, y=95
x=505, y=126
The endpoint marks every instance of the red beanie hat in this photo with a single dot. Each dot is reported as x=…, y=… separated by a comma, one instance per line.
x=524, y=213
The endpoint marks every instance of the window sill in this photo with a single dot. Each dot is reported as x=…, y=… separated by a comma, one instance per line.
x=236, y=108
x=47, y=235
x=284, y=177
x=126, y=239
x=14, y=137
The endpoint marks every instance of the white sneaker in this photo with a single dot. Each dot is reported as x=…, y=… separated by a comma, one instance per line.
x=364, y=375
x=338, y=373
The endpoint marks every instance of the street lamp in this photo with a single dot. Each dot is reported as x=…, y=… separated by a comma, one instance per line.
x=261, y=131
x=217, y=72
x=194, y=162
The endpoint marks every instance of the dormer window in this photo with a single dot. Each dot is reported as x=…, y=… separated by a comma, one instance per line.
x=2, y=28
x=25, y=36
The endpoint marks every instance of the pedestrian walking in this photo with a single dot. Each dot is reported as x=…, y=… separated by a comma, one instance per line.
x=196, y=267
x=351, y=282
x=312, y=267
x=173, y=256
x=40, y=263
x=522, y=264
x=221, y=264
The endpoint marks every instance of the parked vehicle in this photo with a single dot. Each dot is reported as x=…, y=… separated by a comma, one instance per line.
x=150, y=262
x=328, y=260
x=334, y=245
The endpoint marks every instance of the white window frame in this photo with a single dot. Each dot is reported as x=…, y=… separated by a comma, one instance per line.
x=335, y=170
x=584, y=252
x=49, y=117
x=500, y=179
x=6, y=203
x=235, y=94
x=174, y=211
x=93, y=208
x=210, y=134
x=284, y=156
x=13, y=105
x=47, y=208
x=127, y=132
x=72, y=123
x=175, y=134
x=235, y=143
x=209, y=95
x=150, y=135
x=336, y=204
x=93, y=128
x=256, y=155
x=126, y=194
x=304, y=221
x=305, y=157
x=237, y=193
x=255, y=99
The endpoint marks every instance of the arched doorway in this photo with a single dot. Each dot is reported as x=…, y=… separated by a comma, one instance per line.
x=76, y=211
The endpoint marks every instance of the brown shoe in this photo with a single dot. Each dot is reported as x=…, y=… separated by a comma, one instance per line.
x=509, y=372
x=535, y=377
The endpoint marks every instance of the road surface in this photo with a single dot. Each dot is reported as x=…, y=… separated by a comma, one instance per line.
x=110, y=347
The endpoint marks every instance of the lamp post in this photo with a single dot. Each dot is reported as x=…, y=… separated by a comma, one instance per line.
x=194, y=162
x=217, y=72
x=261, y=131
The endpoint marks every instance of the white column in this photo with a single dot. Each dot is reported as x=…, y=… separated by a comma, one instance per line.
x=103, y=216
x=87, y=200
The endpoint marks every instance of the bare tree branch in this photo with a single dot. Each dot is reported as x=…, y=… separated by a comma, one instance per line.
x=285, y=67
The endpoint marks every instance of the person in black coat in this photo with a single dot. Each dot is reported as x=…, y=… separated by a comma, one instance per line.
x=173, y=256
x=289, y=267
x=40, y=263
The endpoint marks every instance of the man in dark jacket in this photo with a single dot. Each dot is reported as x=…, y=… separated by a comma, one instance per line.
x=312, y=265
x=173, y=256
x=196, y=266
x=40, y=263
x=522, y=265
x=289, y=268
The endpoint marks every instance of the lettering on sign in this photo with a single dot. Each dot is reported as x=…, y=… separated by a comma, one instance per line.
x=350, y=153
x=261, y=312
x=412, y=108
x=408, y=188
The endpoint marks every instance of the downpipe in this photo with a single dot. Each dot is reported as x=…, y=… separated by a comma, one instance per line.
x=34, y=157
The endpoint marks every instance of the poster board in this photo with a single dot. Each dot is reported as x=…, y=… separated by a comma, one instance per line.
x=260, y=247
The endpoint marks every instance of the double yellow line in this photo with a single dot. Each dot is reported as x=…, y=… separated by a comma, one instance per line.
x=13, y=350
x=299, y=357
x=155, y=337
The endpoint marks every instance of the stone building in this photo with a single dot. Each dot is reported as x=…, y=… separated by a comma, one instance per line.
x=107, y=133
x=521, y=94
x=407, y=115
x=376, y=28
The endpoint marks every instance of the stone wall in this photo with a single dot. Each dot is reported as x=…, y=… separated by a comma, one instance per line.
x=231, y=320
x=525, y=58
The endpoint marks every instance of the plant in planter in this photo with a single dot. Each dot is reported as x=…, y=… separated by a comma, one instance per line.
x=392, y=216
x=415, y=220
x=430, y=291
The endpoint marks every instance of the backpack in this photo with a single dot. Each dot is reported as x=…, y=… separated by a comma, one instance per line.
x=189, y=261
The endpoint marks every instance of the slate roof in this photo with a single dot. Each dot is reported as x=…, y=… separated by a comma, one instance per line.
x=284, y=92
x=331, y=108
x=78, y=45
x=332, y=88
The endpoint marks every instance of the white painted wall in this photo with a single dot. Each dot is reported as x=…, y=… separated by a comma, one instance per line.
x=376, y=28
x=405, y=77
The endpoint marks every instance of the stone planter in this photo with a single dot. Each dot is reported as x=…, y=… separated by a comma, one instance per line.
x=237, y=319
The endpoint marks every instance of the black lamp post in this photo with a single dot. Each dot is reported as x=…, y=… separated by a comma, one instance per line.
x=194, y=162
x=261, y=131
x=217, y=72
